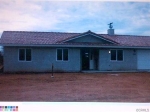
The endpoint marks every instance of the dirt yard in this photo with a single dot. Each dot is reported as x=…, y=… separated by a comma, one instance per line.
x=95, y=87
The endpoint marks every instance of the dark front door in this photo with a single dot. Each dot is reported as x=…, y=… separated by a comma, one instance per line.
x=85, y=59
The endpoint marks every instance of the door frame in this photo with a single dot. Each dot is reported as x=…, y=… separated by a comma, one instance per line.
x=93, y=54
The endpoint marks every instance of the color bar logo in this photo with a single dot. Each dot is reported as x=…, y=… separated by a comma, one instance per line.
x=8, y=108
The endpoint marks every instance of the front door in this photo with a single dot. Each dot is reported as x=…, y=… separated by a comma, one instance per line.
x=85, y=59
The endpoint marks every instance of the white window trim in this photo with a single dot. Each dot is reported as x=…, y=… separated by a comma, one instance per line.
x=117, y=55
x=62, y=55
x=25, y=55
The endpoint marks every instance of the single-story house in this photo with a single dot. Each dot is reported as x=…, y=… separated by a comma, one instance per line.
x=26, y=51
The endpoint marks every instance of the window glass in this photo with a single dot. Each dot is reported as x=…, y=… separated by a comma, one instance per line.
x=120, y=55
x=65, y=54
x=28, y=54
x=113, y=54
x=59, y=54
x=21, y=54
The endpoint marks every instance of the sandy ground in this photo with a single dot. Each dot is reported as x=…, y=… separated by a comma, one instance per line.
x=72, y=87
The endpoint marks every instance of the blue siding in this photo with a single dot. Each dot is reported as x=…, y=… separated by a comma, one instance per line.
x=42, y=59
x=129, y=61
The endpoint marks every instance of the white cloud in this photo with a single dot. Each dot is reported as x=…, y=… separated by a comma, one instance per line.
x=77, y=16
x=25, y=16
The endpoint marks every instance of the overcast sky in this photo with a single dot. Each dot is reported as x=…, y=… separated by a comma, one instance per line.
x=131, y=18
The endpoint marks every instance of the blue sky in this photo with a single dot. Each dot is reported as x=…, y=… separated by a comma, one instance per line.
x=131, y=18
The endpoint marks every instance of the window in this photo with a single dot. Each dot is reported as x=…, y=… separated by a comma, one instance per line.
x=62, y=54
x=21, y=54
x=65, y=54
x=24, y=54
x=113, y=54
x=59, y=54
x=117, y=55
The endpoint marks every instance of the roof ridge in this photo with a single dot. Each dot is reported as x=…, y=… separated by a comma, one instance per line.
x=126, y=35
x=43, y=32
x=75, y=33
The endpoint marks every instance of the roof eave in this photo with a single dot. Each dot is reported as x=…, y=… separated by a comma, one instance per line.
x=77, y=46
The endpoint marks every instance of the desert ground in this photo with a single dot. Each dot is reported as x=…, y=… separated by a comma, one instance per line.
x=75, y=87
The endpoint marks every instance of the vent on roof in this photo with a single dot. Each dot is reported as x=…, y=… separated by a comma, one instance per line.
x=110, y=31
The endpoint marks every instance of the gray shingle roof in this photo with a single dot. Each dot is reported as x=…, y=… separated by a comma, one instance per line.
x=129, y=40
x=51, y=38
x=23, y=37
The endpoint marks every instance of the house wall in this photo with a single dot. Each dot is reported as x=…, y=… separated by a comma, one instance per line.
x=42, y=59
x=90, y=38
x=129, y=61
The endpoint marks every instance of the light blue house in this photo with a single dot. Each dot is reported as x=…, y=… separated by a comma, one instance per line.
x=74, y=52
